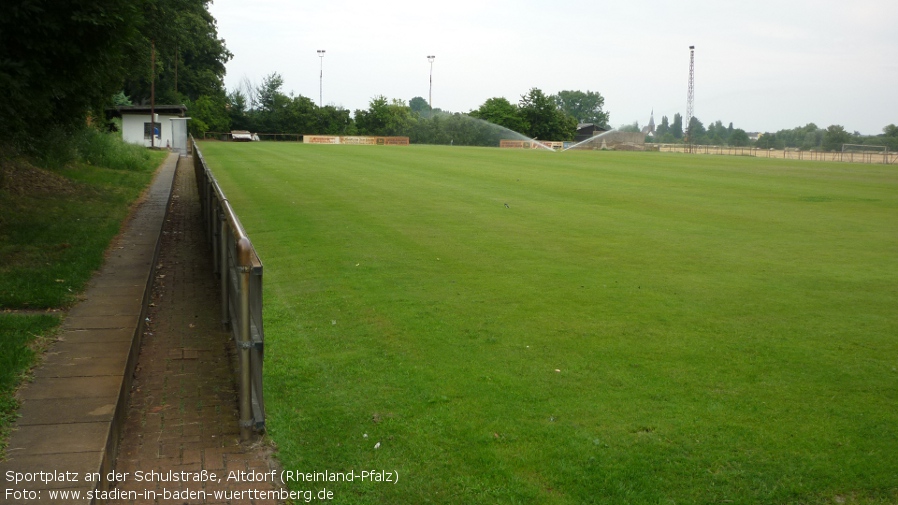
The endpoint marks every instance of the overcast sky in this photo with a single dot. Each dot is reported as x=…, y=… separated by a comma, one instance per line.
x=764, y=65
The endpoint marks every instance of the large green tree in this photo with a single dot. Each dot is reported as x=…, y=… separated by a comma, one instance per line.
x=662, y=128
x=696, y=131
x=270, y=95
x=419, y=106
x=809, y=136
x=676, y=127
x=501, y=112
x=769, y=141
x=209, y=113
x=190, y=58
x=384, y=117
x=834, y=137
x=545, y=120
x=58, y=60
x=585, y=107
x=265, y=108
x=739, y=138
x=335, y=121
x=238, y=111
x=718, y=134
x=890, y=136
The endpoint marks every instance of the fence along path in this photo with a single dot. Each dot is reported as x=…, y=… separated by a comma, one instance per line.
x=183, y=414
x=239, y=271
x=887, y=158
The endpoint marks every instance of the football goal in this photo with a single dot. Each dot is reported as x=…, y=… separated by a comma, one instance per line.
x=865, y=153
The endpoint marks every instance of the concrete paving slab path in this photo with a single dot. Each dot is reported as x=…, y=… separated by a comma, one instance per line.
x=73, y=409
x=143, y=371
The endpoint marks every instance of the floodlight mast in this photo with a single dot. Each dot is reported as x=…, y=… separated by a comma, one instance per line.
x=430, y=59
x=321, y=78
x=690, y=95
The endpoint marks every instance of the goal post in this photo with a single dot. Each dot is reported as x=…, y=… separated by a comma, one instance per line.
x=864, y=148
x=864, y=153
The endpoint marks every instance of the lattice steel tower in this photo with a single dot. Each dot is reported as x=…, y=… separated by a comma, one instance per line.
x=690, y=95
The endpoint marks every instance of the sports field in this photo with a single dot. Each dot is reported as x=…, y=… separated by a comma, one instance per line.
x=502, y=326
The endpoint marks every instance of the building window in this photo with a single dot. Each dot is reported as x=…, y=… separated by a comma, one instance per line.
x=146, y=130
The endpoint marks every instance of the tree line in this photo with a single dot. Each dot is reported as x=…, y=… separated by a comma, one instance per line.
x=265, y=108
x=808, y=137
x=63, y=63
x=831, y=138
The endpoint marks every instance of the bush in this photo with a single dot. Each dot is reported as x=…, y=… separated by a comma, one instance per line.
x=109, y=150
x=58, y=147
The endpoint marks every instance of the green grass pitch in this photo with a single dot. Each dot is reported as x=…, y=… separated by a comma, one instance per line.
x=506, y=326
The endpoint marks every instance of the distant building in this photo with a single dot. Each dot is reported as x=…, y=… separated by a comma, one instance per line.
x=137, y=126
x=649, y=129
x=587, y=130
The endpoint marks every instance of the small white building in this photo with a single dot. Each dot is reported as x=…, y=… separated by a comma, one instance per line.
x=137, y=127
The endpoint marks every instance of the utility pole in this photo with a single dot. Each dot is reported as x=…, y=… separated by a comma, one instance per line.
x=321, y=78
x=430, y=59
x=152, y=93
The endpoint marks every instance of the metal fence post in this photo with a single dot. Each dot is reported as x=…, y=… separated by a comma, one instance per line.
x=216, y=241
x=224, y=270
x=213, y=203
x=245, y=343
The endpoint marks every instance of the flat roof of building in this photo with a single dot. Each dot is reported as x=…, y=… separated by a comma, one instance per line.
x=167, y=110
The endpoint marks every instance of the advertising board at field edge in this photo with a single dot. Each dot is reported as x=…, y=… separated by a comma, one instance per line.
x=355, y=140
x=530, y=144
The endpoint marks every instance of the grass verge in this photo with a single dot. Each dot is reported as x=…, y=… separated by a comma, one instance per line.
x=56, y=224
x=54, y=229
x=24, y=337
